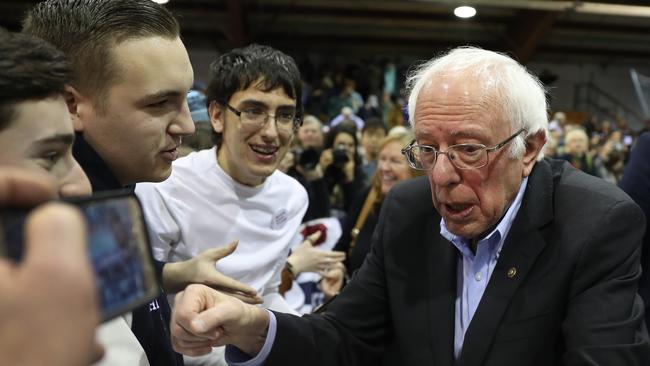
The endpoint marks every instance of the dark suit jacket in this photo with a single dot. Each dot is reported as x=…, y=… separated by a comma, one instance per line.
x=563, y=290
x=636, y=183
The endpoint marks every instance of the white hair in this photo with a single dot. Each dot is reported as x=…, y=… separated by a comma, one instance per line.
x=519, y=95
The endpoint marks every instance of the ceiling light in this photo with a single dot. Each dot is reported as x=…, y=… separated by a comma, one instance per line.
x=161, y=1
x=464, y=12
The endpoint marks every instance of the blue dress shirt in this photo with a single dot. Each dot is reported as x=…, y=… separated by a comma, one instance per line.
x=475, y=269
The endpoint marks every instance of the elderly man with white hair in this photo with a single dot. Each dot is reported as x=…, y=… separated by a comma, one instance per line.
x=497, y=257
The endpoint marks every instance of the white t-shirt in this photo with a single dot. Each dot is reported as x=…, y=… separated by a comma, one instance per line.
x=200, y=207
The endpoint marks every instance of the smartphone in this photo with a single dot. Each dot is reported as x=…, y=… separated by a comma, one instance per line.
x=118, y=247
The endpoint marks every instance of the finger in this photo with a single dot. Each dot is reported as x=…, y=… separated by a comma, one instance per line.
x=56, y=233
x=19, y=187
x=253, y=300
x=189, y=350
x=314, y=237
x=225, y=283
x=220, y=252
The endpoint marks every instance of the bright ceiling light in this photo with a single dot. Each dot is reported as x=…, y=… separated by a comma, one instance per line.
x=161, y=1
x=464, y=12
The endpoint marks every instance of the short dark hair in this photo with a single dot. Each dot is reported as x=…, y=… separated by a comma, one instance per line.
x=30, y=69
x=238, y=69
x=86, y=31
x=374, y=123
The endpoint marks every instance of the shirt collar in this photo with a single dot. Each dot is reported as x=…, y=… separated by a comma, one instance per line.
x=494, y=239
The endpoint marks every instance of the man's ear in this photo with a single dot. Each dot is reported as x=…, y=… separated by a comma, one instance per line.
x=74, y=101
x=216, y=116
x=534, y=145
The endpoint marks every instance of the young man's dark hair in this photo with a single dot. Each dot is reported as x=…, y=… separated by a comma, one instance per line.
x=374, y=123
x=86, y=31
x=30, y=69
x=242, y=67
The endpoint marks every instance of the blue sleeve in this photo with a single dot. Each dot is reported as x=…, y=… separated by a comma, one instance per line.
x=236, y=357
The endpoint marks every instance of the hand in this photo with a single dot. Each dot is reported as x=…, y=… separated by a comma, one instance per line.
x=332, y=281
x=204, y=318
x=326, y=158
x=306, y=258
x=51, y=294
x=348, y=169
x=311, y=175
x=201, y=269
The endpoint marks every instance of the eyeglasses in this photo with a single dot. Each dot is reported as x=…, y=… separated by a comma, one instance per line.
x=462, y=156
x=254, y=118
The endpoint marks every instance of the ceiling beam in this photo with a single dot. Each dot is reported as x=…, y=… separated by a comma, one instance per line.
x=527, y=32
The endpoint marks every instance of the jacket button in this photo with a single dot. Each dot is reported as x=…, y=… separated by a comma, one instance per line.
x=512, y=272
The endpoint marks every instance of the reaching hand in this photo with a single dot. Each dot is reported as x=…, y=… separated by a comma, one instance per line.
x=332, y=281
x=201, y=269
x=306, y=258
x=204, y=318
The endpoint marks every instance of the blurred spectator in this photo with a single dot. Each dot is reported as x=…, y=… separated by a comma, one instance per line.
x=342, y=166
x=310, y=134
x=347, y=97
x=373, y=131
x=370, y=109
x=362, y=219
x=347, y=116
x=577, y=151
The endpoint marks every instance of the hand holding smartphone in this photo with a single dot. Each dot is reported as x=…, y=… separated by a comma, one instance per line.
x=118, y=247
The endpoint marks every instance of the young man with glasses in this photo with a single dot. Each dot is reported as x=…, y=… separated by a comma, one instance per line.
x=234, y=191
x=496, y=257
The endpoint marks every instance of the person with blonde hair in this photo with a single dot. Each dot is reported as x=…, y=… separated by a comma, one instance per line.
x=360, y=223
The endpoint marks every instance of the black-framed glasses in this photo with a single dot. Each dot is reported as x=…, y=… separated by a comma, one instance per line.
x=254, y=118
x=462, y=156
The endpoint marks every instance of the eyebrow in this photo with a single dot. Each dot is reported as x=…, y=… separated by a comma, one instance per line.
x=64, y=138
x=258, y=103
x=160, y=95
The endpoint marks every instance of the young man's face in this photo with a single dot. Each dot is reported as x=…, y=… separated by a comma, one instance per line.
x=251, y=155
x=370, y=140
x=145, y=114
x=40, y=138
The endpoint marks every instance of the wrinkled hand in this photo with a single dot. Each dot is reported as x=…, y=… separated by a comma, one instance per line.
x=204, y=318
x=306, y=258
x=201, y=269
x=332, y=281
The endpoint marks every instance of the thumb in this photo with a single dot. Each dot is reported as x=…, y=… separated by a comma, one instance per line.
x=313, y=238
x=217, y=253
x=56, y=233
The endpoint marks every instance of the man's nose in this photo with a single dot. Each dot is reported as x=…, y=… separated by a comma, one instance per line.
x=183, y=124
x=75, y=183
x=444, y=172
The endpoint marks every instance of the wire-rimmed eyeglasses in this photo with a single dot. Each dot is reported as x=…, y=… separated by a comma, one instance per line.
x=254, y=118
x=462, y=156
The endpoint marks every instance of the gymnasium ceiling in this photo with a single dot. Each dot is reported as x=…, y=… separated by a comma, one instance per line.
x=607, y=32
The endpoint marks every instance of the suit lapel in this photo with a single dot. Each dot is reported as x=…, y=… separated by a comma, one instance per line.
x=520, y=250
x=441, y=264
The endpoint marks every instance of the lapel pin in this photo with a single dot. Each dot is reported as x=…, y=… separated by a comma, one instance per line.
x=512, y=272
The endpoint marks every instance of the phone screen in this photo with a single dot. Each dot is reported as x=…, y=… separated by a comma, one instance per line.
x=119, y=249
